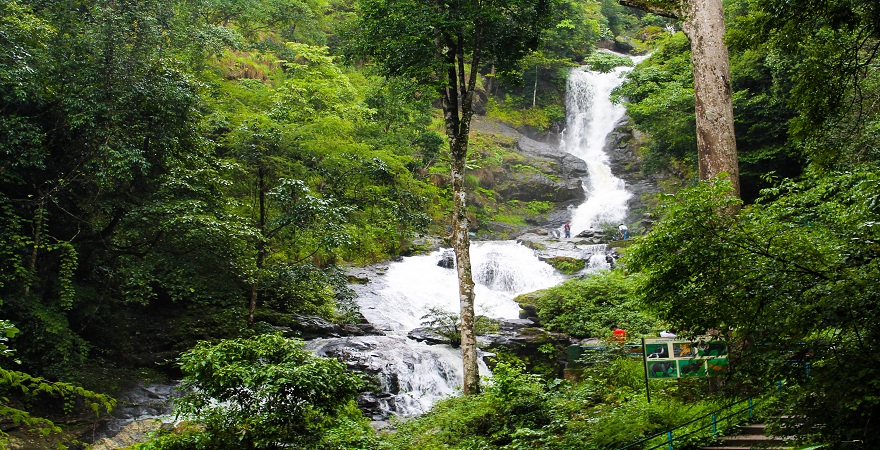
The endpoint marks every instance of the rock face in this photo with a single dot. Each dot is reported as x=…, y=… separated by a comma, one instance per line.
x=312, y=327
x=626, y=165
x=530, y=343
x=541, y=172
x=559, y=180
x=558, y=176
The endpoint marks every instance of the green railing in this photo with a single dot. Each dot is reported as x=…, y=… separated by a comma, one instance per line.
x=713, y=419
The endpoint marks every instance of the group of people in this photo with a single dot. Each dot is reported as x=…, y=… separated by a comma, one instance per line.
x=624, y=231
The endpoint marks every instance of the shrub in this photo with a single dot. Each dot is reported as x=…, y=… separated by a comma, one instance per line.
x=587, y=307
x=264, y=392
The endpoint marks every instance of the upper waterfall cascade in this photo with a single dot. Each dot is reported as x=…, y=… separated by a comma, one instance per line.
x=591, y=117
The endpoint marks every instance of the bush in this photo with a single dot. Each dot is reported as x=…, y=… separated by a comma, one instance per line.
x=606, y=62
x=265, y=392
x=587, y=307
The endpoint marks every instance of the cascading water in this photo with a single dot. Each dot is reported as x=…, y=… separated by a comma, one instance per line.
x=591, y=117
x=414, y=375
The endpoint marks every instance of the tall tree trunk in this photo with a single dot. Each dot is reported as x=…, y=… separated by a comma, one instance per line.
x=461, y=246
x=261, y=244
x=38, y=241
x=716, y=142
x=703, y=22
x=457, y=111
x=535, y=90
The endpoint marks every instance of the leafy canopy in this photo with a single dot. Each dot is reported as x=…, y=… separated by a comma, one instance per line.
x=791, y=280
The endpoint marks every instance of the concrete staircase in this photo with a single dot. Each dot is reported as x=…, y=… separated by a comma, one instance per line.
x=751, y=437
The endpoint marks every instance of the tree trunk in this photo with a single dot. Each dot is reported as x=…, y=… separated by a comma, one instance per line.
x=716, y=142
x=703, y=22
x=535, y=90
x=461, y=246
x=38, y=241
x=457, y=118
x=261, y=245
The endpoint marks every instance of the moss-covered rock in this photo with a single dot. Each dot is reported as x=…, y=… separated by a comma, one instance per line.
x=566, y=265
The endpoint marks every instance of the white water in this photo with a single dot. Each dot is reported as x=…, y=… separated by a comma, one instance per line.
x=415, y=375
x=501, y=270
x=590, y=119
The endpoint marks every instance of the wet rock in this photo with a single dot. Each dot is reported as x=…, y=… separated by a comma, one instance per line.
x=583, y=246
x=134, y=432
x=312, y=327
x=447, y=260
x=513, y=325
x=627, y=165
x=428, y=335
x=140, y=410
x=404, y=377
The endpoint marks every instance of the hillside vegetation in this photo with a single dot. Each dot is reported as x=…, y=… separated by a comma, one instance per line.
x=176, y=177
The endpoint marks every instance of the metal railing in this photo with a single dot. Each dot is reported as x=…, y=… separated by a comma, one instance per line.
x=715, y=418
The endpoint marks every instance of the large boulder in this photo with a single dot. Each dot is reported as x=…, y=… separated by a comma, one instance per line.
x=313, y=327
x=522, y=338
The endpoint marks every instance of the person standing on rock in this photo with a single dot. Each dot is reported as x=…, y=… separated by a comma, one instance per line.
x=567, y=229
x=624, y=232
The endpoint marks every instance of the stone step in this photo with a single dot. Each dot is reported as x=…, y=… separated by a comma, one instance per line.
x=752, y=440
x=751, y=437
x=758, y=428
x=747, y=448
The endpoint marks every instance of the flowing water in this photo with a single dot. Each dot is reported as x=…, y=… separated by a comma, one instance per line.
x=590, y=118
x=414, y=375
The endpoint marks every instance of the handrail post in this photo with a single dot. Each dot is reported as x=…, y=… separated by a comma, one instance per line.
x=751, y=409
x=669, y=438
x=645, y=362
x=714, y=424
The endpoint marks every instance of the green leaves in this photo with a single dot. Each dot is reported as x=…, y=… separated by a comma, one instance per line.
x=588, y=307
x=791, y=280
x=20, y=388
x=262, y=391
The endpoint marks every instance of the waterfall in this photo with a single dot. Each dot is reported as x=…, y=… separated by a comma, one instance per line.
x=414, y=375
x=590, y=119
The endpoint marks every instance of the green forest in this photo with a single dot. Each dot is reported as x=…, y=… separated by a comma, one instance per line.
x=180, y=179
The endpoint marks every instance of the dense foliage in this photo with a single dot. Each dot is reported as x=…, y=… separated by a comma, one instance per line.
x=19, y=390
x=791, y=282
x=606, y=410
x=164, y=154
x=592, y=306
x=173, y=170
x=265, y=392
